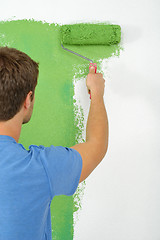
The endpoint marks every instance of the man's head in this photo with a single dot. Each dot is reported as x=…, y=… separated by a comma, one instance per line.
x=18, y=79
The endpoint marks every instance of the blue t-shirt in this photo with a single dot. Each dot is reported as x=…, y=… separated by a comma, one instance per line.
x=28, y=182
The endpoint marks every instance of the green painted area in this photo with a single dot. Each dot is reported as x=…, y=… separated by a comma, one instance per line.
x=53, y=120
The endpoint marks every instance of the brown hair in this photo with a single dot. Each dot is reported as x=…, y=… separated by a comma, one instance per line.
x=18, y=76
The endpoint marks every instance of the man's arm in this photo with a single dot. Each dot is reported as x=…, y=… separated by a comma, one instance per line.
x=95, y=147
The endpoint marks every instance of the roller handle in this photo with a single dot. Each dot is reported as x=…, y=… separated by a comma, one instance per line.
x=95, y=66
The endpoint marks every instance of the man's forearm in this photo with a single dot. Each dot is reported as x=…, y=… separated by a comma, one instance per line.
x=97, y=124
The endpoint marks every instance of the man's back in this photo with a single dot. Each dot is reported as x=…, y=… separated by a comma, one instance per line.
x=26, y=187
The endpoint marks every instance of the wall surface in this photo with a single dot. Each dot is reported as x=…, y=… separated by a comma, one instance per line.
x=121, y=199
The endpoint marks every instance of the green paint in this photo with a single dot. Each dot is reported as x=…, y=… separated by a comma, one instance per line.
x=55, y=118
x=85, y=33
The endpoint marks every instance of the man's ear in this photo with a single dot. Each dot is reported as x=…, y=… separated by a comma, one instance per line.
x=27, y=101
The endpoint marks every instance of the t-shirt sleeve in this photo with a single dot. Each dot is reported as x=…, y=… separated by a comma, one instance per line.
x=63, y=166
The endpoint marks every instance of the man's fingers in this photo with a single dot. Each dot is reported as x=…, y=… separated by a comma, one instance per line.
x=92, y=70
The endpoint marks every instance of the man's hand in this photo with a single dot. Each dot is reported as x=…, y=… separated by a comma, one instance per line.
x=95, y=83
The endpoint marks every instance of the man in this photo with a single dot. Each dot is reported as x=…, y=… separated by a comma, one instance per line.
x=30, y=179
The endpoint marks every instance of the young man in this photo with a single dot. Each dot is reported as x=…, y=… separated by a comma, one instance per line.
x=30, y=179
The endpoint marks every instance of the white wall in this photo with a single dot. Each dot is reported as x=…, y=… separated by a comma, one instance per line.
x=122, y=197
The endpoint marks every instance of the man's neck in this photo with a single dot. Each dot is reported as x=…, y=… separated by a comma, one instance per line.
x=11, y=128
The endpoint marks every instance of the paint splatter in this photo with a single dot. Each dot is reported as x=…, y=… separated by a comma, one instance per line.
x=58, y=116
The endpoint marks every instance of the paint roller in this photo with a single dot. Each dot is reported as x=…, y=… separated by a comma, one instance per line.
x=89, y=34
